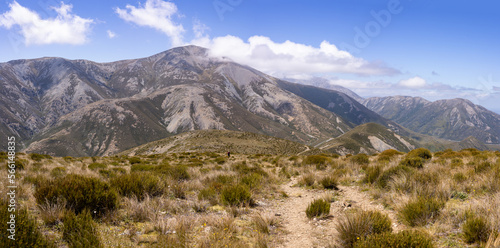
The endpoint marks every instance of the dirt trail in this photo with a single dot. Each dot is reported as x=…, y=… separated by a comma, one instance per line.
x=302, y=232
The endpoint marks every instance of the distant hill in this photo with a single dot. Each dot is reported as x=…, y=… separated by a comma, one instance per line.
x=453, y=119
x=220, y=141
x=368, y=138
x=336, y=102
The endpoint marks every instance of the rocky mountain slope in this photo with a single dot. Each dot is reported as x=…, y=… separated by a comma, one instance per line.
x=77, y=107
x=325, y=84
x=453, y=119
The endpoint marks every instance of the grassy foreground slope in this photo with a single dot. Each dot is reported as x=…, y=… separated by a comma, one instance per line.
x=205, y=199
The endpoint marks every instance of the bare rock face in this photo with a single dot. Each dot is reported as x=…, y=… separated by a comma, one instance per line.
x=453, y=119
x=81, y=108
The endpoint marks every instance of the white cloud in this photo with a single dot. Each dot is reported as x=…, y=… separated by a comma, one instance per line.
x=111, y=34
x=414, y=83
x=288, y=58
x=199, y=29
x=155, y=14
x=65, y=28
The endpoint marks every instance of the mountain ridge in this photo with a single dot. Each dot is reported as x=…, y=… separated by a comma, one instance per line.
x=453, y=119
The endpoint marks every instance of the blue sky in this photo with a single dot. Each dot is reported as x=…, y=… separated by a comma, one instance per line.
x=433, y=49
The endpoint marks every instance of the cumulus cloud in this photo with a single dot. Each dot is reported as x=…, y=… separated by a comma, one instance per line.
x=284, y=59
x=155, y=14
x=414, y=82
x=65, y=28
x=111, y=34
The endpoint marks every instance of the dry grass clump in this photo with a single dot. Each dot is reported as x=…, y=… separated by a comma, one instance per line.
x=359, y=225
x=318, y=208
x=421, y=210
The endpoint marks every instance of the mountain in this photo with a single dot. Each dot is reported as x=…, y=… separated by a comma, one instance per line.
x=368, y=138
x=325, y=84
x=453, y=119
x=337, y=102
x=84, y=108
x=220, y=141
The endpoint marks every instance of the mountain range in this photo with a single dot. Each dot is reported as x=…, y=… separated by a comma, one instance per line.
x=83, y=108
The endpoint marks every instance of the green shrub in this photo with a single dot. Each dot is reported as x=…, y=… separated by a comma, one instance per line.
x=390, y=153
x=27, y=233
x=421, y=153
x=139, y=184
x=39, y=157
x=143, y=167
x=208, y=194
x=58, y=172
x=361, y=159
x=315, y=160
x=80, y=193
x=317, y=208
x=252, y=180
x=415, y=162
x=420, y=211
x=134, y=160
x=406, y=239
x=356, y=226
x=482, y=167
x=94, y=166
x=236, y=195
x=80, y=231
x=329, y=182
x=220, y=160
x=475, y=229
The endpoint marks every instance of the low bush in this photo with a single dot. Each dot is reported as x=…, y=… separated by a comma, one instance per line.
x=475, y=229
x=421, y=211
x=415, y=162
x=406, y=238
x=315, y=160
x=58, y=172
x=80, y=193
x=236, y=195
x=390, y=153
x=139, y=184
x=252, y=180
x=318, y=208
x=329, y=182
x=38, y=157
x=356, y=226
x=134, y=160
x=482, y=167
x=95, y=166
x=420, y=152
x=27, y=233
x=80, y=231
x=361, y=159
